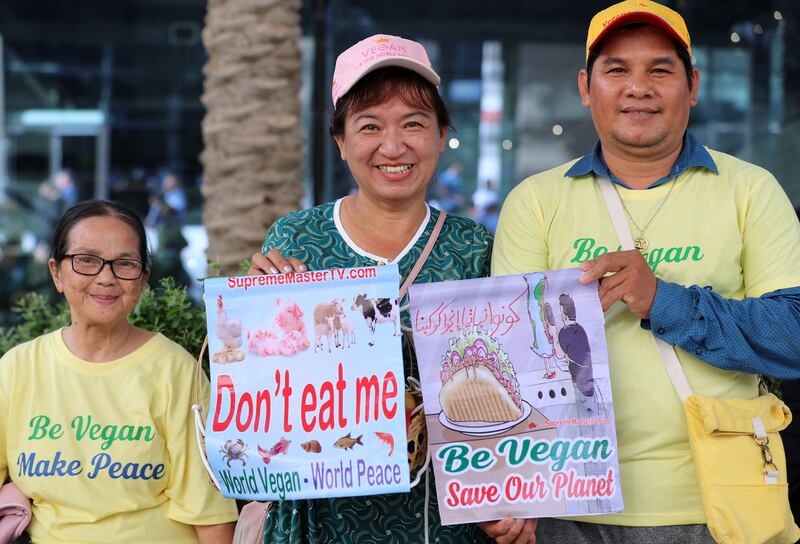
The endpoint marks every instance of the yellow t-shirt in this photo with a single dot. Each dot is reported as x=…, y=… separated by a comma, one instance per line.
x=735, y=232
x=106, y=451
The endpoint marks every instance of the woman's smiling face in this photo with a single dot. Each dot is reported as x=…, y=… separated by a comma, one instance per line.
x=102, y=299
x=392, y=150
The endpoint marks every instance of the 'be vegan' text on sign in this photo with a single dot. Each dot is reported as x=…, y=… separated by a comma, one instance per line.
x=517, y=393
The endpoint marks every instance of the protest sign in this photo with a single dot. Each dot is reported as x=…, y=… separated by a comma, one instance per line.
x=517, y=396
x=306, y=384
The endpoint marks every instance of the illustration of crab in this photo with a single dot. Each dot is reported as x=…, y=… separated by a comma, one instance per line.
x=234, y=450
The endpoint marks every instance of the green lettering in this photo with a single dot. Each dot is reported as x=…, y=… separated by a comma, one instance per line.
x=539, y=452
x=149, y=435
x=696, y=254
x=95, y=431
x=80, y=428
x=559, y=453
x=39, y=425
x=126, y=433
x=516, y=453
x=673, y=255
x=580, y=450
x=601, y=445
x=454, y=457
x=482, y=459
x=109, y=434
x=654, y=257
x=584, y=247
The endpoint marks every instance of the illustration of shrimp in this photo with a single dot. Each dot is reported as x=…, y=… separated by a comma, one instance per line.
x=386, y=438
x=281, y=446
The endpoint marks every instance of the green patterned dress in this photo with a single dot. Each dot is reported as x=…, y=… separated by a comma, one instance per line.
x=462, y=251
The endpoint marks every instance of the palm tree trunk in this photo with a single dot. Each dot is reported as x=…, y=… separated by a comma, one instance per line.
x=253, y=152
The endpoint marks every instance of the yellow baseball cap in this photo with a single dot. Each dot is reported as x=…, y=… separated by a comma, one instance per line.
x=637, y=11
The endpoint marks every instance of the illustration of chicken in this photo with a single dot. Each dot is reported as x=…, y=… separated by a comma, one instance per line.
x=281, y=446
x=347, y=442
x=386, y=438
x=312, y=446
x=229, y=332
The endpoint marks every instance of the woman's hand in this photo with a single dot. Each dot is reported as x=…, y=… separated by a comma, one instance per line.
x=511, y=531
x=274, y=263
x=221, y=533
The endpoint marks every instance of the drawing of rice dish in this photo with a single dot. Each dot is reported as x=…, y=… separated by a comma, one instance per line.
x=478, y=380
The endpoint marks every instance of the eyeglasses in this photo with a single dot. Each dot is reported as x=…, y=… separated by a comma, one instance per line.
x=91, y=265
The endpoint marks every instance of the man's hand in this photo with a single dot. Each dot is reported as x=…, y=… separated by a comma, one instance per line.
x=631, y=280
x=274, y=263
x=511, y=531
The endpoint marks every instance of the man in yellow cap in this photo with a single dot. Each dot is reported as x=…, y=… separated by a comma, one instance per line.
x=714, y=274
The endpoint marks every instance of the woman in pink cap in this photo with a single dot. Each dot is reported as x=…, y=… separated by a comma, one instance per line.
x=390, y=125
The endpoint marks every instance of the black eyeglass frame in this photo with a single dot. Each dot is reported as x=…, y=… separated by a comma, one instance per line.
x=109, y=262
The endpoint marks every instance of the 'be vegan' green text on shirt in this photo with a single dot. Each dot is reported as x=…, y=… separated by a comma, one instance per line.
x=106, y=451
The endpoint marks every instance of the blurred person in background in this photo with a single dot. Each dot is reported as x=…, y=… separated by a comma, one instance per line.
x=486, y=206
x=448, y=189
x=169, y=206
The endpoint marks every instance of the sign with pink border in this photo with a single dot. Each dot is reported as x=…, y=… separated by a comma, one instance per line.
x=517, y=394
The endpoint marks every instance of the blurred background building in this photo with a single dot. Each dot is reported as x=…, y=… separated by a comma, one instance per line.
x=102, y=99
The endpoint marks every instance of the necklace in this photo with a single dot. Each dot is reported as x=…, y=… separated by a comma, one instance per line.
x=640, y=242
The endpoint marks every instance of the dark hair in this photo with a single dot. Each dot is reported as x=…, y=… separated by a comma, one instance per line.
x=548, y=314
x=681, y=51
x=384, y=84
x=568, y=305
x=97, y=208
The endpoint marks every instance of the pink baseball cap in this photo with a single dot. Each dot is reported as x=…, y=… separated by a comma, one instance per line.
x=375, y=52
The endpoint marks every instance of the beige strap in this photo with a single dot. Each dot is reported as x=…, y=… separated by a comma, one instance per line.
x=667, y=352
x=198, y=369
x=617, y=213
x=437, y=228
x=199, y=422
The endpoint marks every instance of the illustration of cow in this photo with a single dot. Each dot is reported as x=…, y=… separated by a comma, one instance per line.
x=377, y=311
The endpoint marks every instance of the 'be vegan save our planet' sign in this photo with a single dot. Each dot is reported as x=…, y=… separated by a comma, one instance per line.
x=306, y=384
x=514, y=373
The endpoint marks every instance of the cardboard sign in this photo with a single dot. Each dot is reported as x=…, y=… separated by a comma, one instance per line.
x=515, y=381
x=306, y=384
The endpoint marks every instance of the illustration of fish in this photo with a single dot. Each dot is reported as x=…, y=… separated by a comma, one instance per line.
x=347, y=442
x=312, y=446
x=281, y=446
x=386, y=438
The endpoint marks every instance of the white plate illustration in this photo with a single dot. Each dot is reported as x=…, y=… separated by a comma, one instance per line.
x=484, y=428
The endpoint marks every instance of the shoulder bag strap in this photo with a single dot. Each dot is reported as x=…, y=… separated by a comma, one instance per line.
x=666, y=351
x=437, y=228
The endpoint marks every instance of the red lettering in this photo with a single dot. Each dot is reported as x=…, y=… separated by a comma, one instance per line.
x=452, y=494
x=389, y=392
x=365, y=389
x=246, y=401
x=471, y=496
x=287, y=392
x=340, y=387
x=241, y=407
x=223, y=382
x=326, y=411
x=308, y=405
x=262, y=397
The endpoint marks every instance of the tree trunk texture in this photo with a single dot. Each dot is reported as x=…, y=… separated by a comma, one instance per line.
x=253, y=154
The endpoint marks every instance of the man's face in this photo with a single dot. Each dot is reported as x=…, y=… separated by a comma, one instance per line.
x=639, y=96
